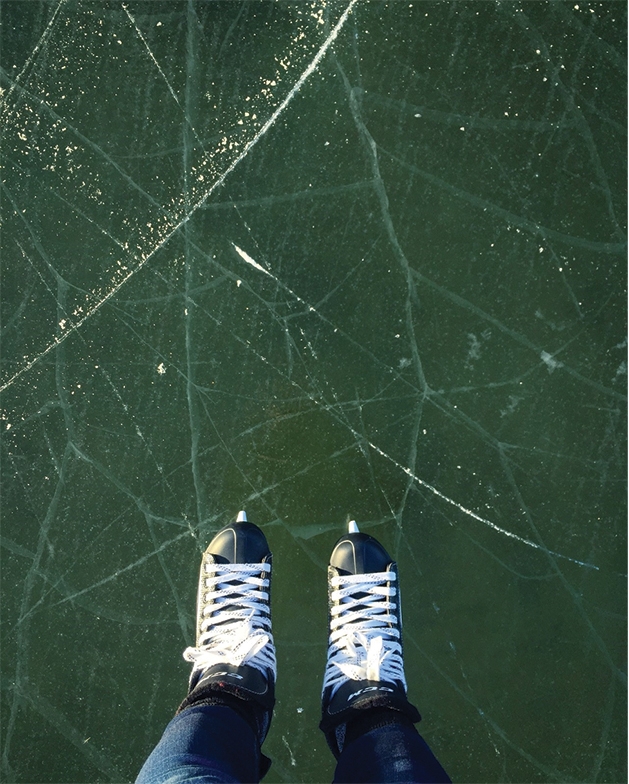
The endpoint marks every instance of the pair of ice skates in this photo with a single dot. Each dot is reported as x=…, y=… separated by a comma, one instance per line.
x=234, y=658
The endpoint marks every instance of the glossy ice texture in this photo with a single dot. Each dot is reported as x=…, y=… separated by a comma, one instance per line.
x=323, y=262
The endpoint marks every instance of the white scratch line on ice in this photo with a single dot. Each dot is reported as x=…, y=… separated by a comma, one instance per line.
x=244, y=255
x=151, y=55
x=293, y=762
x=124, y=569
x=469, y=512
x=145, y=259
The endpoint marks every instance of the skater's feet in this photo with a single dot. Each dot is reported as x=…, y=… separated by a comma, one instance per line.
x=364, y=677
x=234, y=656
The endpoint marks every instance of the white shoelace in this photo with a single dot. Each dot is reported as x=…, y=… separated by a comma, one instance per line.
x=237, y=625
x=364, y=635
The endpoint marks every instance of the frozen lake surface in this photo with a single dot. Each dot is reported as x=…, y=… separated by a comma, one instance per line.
x=315, y=260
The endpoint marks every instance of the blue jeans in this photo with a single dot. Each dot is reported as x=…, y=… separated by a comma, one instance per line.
x=212, y=744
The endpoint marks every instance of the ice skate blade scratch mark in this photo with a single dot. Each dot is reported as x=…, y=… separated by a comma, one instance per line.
x=165, y=78
x=152, y=56
x=246, y=257
x=146, y=258
x=469, y=512
x=293, y=762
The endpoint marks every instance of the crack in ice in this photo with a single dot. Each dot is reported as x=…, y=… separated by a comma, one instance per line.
x=145, y=258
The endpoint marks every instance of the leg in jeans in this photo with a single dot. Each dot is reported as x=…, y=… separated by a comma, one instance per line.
x=206, y=744
x=367, y=719
x=392, y=753
x=219, y=728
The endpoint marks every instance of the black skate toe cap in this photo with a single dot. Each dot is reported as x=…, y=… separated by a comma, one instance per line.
x=359, y=553
x=240, y=542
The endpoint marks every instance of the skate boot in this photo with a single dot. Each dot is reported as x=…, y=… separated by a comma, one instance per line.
x=234, y=657
x=364, y=685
